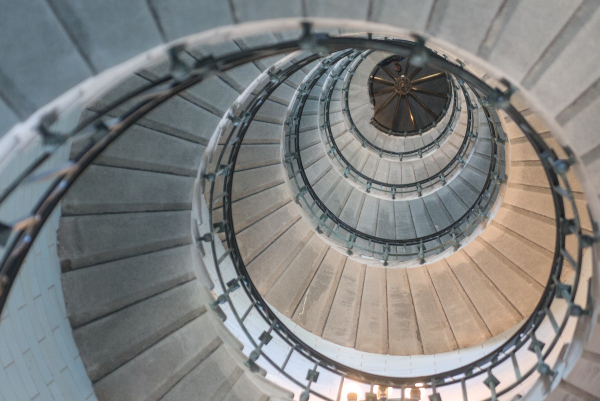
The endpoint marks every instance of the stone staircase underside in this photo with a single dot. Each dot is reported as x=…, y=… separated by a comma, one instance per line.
x=48, y=36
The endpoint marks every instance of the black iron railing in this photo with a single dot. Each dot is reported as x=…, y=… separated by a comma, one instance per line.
x=391, y=190
x=386, y=250
x=216, y=174
x=401, y=155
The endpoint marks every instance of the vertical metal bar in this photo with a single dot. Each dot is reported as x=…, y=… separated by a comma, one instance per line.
x=245, y=315
x=339, y=395
x=515, y=363
x=287, y=358
x=464, y=390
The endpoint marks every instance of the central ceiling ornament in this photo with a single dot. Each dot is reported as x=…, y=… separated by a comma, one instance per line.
x=406, y=99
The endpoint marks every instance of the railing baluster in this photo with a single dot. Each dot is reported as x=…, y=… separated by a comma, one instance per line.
x=339, y=394
x=463, y=386
x=287, y=358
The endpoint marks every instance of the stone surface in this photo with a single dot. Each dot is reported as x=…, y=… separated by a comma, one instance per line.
x=539, y=229
x=531, y=258
x=258, y=236
x=177, y=116
x=527, y=34
x=186, y=17
x=586, y=373
x=286, y=293
x=262, y=132
x=37, y=39
x=435, y=332
x=403, y=330
x=248, y=182
x=86, y=22
x=253, y=208
x=579, y=61
x=212, y=379
x=520, y=289
x=99, y=290
x=246, y=11
x=94, y=239
x=341, y=325
x=110, y=342
x=270, y=264
x=497, y=313
x=256, y=388
x=145, y=149
x=463, y=22
x=466, y=325
x=372, y=334
x=253, y=156
x=411, y=15
x=152, y=373
x=314, y=307
x=115, y=190
x=8, y=118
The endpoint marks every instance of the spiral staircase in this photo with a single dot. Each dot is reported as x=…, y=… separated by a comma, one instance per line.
x=253, y=201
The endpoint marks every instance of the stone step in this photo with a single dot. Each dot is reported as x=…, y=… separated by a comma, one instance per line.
x=402, y=321
x=116, y=190
x=539, y=229
x=248, y=210
x=259, y=155
x=529, y=257
x=434, y=329
x=255, y=239
x=178, y=116
x=467, y=326
x=246, y=183
x=342, y=322
x=108, y=343
x=313, y=309
x=268, y=266
x=97, y=291
x=93, y=239
x=160, y=367
x=495, y=310
x=213, y=93
x=145, y=149
x=521, y=290
x=289, y=289
x=372, y=333
x=211, y=379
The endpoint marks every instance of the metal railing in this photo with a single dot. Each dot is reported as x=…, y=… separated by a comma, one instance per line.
x=386, y=250
x=101, y=130
x=391, y=190
x=417, y=152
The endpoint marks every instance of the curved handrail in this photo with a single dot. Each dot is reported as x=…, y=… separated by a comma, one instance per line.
x=404, y=154
x=431, y=244
x=405, y=134
x=392, y=189
x=482, y=366
x=101, y=132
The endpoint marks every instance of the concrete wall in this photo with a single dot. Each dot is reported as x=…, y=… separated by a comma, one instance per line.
x=38, y=356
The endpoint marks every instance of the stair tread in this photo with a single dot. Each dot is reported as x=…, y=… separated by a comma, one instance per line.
x=92, y=239
x=102, y=289
x=103, y=189
x=108, y=343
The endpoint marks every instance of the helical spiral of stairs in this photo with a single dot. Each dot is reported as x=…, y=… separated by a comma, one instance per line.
x=302, y=215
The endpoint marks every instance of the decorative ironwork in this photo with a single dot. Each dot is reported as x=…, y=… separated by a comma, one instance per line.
x=394, y=87
x=99, y=131
x=435, y=142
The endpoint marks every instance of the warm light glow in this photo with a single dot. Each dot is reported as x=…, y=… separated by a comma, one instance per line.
x=352, y=387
